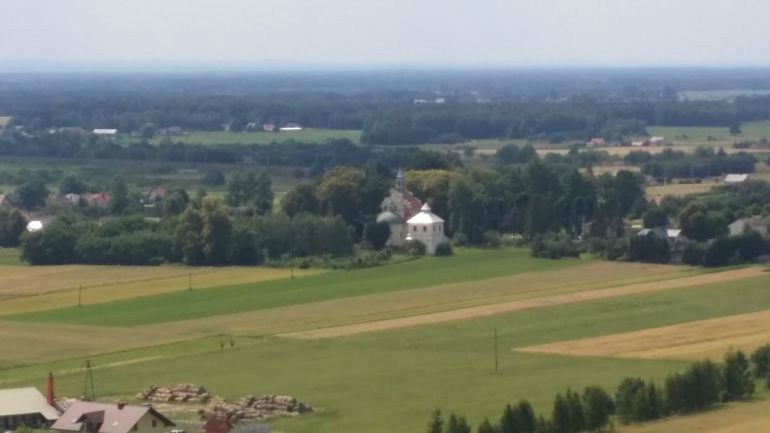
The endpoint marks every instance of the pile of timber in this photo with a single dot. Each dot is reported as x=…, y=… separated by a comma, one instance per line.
x=182, y=393
x=266, y=407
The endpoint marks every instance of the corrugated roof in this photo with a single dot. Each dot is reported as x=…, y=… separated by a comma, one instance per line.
x=25, y=401
x=115, y=419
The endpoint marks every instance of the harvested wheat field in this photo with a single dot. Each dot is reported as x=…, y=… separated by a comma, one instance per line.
x=26, y=289
x=537, y=302
x=687, y=341
x=735, y=418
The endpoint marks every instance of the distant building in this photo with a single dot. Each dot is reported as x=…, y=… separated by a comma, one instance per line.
x=105, y=132
x=5, y=201
x=596, y=142
x=89, y=417
x=736, y=178
x=26, y=407
x=171, y=130
x=156, y=194
x=99, y=199
x=269, y=127
x=396, y=209
x=754, y=223
x=638, y=143
x=427, y=228
x=676, y=240
x=657, y=141
x=291, y=127
x=72, y=198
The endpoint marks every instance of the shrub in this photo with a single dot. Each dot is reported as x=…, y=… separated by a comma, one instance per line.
x=761, y=360
x=554, y=246
x=693, y=254
x=492, y=239
x=738, y=381
x=444, y=249
x=415, y=248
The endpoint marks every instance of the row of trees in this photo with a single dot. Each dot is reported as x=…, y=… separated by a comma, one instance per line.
x=701, y=386
x=206, y=233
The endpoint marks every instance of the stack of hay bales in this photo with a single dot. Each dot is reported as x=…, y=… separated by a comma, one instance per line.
x=183, y=393
x=266, y=407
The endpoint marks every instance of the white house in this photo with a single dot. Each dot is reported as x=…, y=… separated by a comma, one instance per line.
x=427, y=228
x=105, y=132
x=754, y=223
x=736, y=178
x=25, y=406
x=84, y=416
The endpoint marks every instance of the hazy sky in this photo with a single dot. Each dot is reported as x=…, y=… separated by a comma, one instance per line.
x=390, y=32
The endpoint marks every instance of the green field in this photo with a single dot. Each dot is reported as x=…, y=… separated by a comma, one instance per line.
x=691, y=136
x=392, y=380
x=308, y=135
x=466, y=265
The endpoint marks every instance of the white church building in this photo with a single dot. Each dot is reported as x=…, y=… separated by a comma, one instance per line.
x=408, y=218
x=427, y=228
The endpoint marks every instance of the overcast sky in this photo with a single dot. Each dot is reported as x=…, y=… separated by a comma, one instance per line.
x=362, y=33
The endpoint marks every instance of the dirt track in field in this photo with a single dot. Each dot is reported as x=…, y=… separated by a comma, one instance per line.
x=540, y=302
x=696, y=340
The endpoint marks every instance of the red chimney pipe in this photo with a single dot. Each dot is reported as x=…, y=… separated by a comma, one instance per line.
x=49, y=394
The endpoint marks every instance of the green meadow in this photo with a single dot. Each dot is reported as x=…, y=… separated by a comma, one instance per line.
x=465, y=265
x=382, y=381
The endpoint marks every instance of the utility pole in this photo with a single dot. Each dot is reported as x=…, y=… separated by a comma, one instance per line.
x=495, y=349
x=89, y=384
x=80, y=296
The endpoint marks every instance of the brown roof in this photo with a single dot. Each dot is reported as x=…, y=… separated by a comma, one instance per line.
x=411, y=205
x=113, y=418
x=217, y=424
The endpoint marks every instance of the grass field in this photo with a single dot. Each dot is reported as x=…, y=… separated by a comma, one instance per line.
x=307, y=135
x=679, y=190
x=413, y=370
x=33, y=288
x=464, y=266
x=391, y=379
x=734, y=418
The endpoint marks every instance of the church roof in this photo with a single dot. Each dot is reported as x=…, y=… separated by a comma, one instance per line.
x=425, y=216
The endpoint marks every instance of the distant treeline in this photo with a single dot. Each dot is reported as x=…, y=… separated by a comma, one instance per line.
x=700, y=387
x=384, y=108
x=704, y=162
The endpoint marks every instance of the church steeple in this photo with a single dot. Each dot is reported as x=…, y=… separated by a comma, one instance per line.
x=400, y=183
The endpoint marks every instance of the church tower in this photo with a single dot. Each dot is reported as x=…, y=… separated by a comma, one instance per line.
x=400, y=183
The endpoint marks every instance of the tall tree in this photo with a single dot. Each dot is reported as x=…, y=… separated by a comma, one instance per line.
x=12, y=225
x=436, y=423
x=32, y=194
x=738, y=381
x=119, y=193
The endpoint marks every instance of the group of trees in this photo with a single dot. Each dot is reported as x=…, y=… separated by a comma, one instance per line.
x=703, y=162
x=206, y=233
x=701, y=386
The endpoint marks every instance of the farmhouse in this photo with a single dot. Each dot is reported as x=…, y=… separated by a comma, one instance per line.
x=396, y=209
x=268, y=127
x=736, y=178
x=596, y=142
x=291, y=127
x=657, y=141
x=676, y=240
x=99, y=199
x=5, y=202
x=427, y=228
x=26, y=407
x=638, y=143
x=754, y=223
x=89, y=417
x=156, y=194
x=171, y=130
x=105, y=132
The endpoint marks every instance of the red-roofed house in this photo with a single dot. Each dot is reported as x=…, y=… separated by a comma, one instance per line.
x=157, y=193
x=597, y=142
x=99, y=199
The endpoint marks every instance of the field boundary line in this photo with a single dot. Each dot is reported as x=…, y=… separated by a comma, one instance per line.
x=526, y=304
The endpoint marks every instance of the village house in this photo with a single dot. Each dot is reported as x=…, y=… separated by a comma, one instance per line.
x=171, y=131
x=754, y=223
x=291, y=127
x=156, y=194
x=733, y=179
x=105, y=132
x=657, y=141
x=596, y=142
x=676, y=240
x=26, y=407
x=398, y=207
x=90, y=417
x=99, y=199
x=268, y=127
